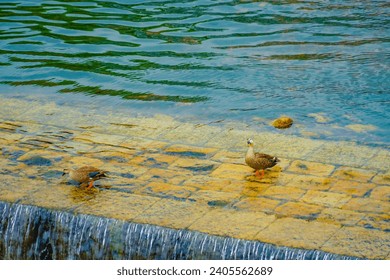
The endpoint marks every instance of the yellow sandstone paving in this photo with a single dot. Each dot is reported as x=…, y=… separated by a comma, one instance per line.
x=200, y=181
x=309, y=182
x=284, y=192
x=228, y=157
x=127, y=170
x=138, y=127
x=10, y=136
x=155, y=159
x=99, y=138
x=232, y=171
x=10, y=126
x=367, y=205
x=382, y=179
x=233, y=223
x=111, y=157
x=191, y=134
x=194, y=165
x=344, y=153
x=291, y=146
x=355, y=174
x=15, y=188
x=101, y=149
x=376, y=221
x=180, y=149
x=257, y=204
x=380, y=161
x=139, y=144
x=81, y=161
x=381, y=193
x=310, y=168
x=340, y=216
x=298, y=210
x=214, y=197
x=173, y=177
x=297, y=233
x=172, y=213
x=73, y=147
x=254, y=189
x=327, y=199
x=118, y=205
x=352, y=187
x=233, y=139
x=205, y=182
x=42, y=153
x=58, y=196
x=359, y=242
x=166, y=190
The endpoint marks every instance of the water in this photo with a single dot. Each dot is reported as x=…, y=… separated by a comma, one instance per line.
x=30, y=232
x=324, y=63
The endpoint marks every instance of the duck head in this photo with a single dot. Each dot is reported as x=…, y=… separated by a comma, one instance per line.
x=249, y=142
x=65, y=171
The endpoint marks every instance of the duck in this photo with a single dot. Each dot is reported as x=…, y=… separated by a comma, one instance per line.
x=259, y=161
x=86, y=175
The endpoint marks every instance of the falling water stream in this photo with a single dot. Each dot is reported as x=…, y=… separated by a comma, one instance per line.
x=30, y=232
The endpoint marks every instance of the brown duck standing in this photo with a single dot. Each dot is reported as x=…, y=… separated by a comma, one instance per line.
x=86, y=174
x=259, y=161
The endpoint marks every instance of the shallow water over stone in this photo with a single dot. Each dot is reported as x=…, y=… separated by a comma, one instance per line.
x=29, y=232
x=323, y=195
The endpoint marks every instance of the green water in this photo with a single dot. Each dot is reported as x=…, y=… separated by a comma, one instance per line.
x=324, y=63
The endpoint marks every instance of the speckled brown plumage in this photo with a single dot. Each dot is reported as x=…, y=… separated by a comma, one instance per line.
x=86, y=175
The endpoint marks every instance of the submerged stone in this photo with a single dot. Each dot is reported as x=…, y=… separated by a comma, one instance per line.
x=361, y=127
x=282, y=122
x=37, y=160
x=220, y=203
x=126, y=175
x=52, y=174
x=12, y=154
x=319, y=117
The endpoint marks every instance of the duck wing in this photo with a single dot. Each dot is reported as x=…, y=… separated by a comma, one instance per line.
x=96, y=175
x=264, y=156
x=93, y=173
x=265, y=161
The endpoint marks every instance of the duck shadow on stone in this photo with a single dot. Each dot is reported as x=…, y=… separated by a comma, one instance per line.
x=80, y=194
x=270, y=177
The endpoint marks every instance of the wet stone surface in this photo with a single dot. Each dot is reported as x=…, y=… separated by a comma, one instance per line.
x=321, y=196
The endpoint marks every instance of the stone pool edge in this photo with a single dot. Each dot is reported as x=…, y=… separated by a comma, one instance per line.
x=126, y=240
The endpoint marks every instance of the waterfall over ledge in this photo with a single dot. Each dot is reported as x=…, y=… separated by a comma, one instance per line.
x=30, y=232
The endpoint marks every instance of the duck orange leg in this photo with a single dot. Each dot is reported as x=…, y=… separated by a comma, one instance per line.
x=258, y=174
x=90, y=185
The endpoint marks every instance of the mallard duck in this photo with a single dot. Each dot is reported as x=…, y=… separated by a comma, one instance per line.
x=85, y=175
x=259, y=161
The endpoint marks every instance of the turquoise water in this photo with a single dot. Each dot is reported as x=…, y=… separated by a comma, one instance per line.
x=324, y=63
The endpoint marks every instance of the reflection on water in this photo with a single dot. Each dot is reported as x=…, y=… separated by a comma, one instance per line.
x=232, y=60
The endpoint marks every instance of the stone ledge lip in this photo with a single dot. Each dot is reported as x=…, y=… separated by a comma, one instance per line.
x=107, y=238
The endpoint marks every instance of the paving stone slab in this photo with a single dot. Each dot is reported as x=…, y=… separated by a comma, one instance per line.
x=323, y=195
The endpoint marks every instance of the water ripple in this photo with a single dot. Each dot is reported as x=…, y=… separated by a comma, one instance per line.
x=256, y=59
